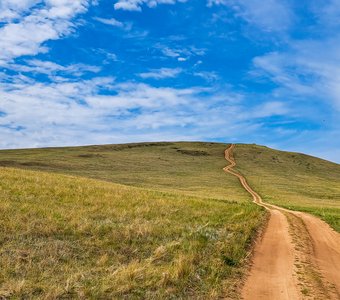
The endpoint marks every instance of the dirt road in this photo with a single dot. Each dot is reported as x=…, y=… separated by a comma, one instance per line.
x=297, y=257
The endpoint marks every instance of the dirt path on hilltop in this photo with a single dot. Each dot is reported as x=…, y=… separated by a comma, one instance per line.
x=297, y=257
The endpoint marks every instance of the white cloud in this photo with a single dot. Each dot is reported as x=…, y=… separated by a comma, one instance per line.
x=269, y=15
x=13, y=9
x=65, y=112
x=327, y=13
x=109, y=56
x=45, y=22
x=281, y=69
x=51, y=68
x=208, y=76
x=269, y=109
x=136, y=5
x=161, y=73
x=112, y=22
x=182, y=54
x=308, y=68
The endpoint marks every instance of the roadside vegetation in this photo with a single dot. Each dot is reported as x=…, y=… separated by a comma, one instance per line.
x=70, y=237
x=292, y=180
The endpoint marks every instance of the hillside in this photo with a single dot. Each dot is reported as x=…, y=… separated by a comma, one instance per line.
x=292, y=180
x=193, y=168
x=69, y=237
x=157, y=220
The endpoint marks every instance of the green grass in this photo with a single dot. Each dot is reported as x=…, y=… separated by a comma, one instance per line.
x=192, y=168
x=178, y=227
x=68, y=237
x=292, y=180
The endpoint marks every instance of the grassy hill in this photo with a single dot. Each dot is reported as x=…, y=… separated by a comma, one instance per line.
x=193, y=168
x=293, y=180
x=147, y=220
x=65, y=237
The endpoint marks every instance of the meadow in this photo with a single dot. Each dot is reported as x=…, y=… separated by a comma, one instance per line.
x=145, y=220
x=188, y=167
x=66, y=237
x=293, y=180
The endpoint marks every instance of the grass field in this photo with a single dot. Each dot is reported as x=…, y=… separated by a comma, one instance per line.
x=193, y=168
x=69, y=237
x=293, y=180
x=148, y=220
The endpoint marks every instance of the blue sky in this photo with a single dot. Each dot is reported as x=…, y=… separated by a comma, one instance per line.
x=77, y=72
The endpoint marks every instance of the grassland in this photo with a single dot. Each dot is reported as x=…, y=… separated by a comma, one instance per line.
x=69, y=237
x=148, y=220
x=192, y=168
x=292, y=180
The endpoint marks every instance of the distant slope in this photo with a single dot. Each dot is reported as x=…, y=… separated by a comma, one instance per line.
x=193, y=168
x=292, y=180
x=69, y=237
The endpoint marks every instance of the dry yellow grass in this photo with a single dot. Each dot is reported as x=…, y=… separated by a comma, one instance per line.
x=69, y=237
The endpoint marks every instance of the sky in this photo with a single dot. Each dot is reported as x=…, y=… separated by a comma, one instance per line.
x=80, y=72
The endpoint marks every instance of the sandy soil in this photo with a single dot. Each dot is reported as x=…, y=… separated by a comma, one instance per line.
x=297, y=257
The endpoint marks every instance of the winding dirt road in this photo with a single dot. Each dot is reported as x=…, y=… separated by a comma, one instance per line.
x=297, y=257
